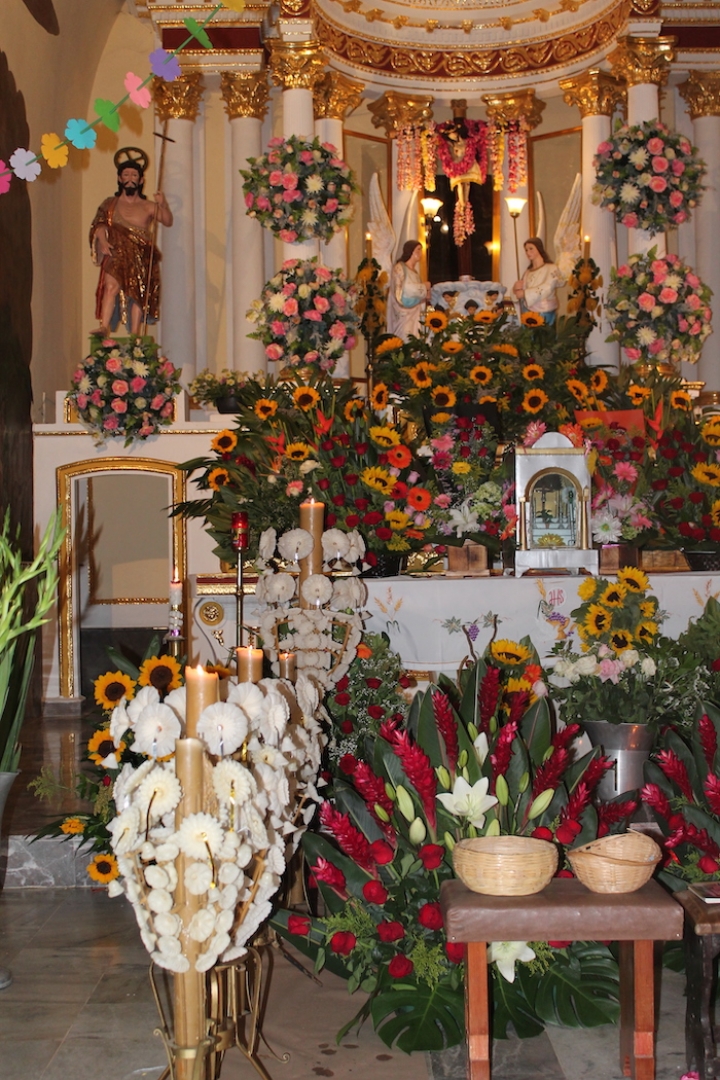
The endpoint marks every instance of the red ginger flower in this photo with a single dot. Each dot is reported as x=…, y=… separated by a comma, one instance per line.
x=688, y=833
x=354, y=843
x=610, y=813
x=501, y=755
x=566, y=736
x=712, y=792
x=488, y=695
x=656, y=798
x=447, y=726
x=330, y=875
x=595, y=771
x=519, y=702
x=550, y=772
x=419, y=771
x=708, y=739
x=577, y=802
x=372, y=789
x=675, y=770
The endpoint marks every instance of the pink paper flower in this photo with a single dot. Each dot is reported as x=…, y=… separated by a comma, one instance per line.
x=139, y=95
x=5, y=177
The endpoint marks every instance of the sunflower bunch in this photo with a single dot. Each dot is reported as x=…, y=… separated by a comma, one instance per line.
x=583, y=284
x=371, y=304
x=619, y=614
x=686, y=484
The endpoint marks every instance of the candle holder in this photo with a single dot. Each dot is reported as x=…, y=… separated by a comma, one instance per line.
x=240, y=540
x=174, y=640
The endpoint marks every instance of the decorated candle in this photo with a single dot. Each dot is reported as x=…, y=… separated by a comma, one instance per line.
x=202, y=688
x=586, y=249
x=176, y=593
x=368, y=246
x=287, y=664
x=312, y=519
x=240, y=530
x=249, y=664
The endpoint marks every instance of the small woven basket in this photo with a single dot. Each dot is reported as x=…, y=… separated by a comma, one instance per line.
x=616, y=864
x=505, y=865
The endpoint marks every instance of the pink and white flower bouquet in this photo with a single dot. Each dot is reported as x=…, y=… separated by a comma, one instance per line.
x=648, y=176
x=300, y=189
x=305, y=316
x=125, y=388
x=659, y=309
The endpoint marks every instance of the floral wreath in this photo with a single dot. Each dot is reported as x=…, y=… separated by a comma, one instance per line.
x=300, y=189
x=658, y=309
x=648, y=176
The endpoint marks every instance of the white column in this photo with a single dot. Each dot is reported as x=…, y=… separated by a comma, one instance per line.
x=599, y=225
x=178, y=263
x=248, y=269
x=334, y=252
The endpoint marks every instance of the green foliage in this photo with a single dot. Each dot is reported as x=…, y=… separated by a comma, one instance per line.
x=418, y=1017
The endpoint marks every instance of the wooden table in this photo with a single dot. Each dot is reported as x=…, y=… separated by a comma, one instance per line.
x=566, y=911
x=702, y=946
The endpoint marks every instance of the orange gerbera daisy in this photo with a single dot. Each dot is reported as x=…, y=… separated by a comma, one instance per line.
x=419, y=498
x=399, y=457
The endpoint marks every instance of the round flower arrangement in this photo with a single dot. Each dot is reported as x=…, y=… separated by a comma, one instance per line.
x=305, y=316
x=125, y=388
x=658, y=309
x=299, y=189
x=648, y=176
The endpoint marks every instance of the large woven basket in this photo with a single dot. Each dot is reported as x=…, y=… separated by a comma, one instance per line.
x=616, y=864
x=505, y=865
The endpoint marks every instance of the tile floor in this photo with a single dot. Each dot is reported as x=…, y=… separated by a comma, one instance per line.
x=80, y=1007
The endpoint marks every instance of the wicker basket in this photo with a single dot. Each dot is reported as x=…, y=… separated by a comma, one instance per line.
x=505, y=865
x=616, y=864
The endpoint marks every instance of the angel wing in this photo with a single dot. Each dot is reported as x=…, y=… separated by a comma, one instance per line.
x=380, y=227
x=409, y=228
x=567, y=233
x=540, y=231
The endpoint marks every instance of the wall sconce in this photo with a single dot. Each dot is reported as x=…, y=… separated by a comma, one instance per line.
x=431, y=206
x=515, y=207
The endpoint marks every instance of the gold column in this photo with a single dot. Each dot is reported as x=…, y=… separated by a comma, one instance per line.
x=335, y=96
x=502, y=109
x=701, y=91
x=296, y=65
x=596, y=93
x=643, y=60
x=245, y=94
x=180, y=99
x=394, y=111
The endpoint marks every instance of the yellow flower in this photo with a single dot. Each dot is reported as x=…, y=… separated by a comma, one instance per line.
x=515, y=686
x=484, y=316
x=648, y=607
x=715, y=513
x=73, y=826
x=487, y=399
x=597, y=620
x=633, y=579
x=620, y=640
x=646, y=632
x=397, y=543
x=707, y=474
x=218, y=478
x=224, y=442
x=534, y=401
x=598, y=380
x=710, y=432
x=533, y=371
x=441, y=417
x=587, y=588
x=614, y=595
x=264, y=408
x=509, y=652
x=436, y=321
x=305, y=397
x=638, y=394
x=531, y=318
x=397, y=520
x=452, y=346
x=384, y=436
x=378, y=478
x=480, y=374
x=461, y=468
x=297, y=451
x=578, y=390
x=354, y=407
x=100, y=745
x=103, y=868
x=162, y=672
x=379, y=396
x=420, y=375
x=589, y=422
x=680, y=399
x=509, y=349
x=389, y=345
x=443, y=397
x=111, y=688
x=55, y=155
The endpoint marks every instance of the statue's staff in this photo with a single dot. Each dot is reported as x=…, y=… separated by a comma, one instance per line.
x=153, y=233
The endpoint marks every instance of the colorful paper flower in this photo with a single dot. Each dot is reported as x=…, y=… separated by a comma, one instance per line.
x=139, y=93
x=5, y=178
x=54, y=150
x=108, y=113
x=81, y=134
x=25, y=164
x=165, y=65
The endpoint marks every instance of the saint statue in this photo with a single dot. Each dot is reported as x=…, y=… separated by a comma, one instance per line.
x=408, y=293
x=122, y=243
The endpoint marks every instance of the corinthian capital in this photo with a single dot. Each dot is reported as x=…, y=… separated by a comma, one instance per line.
x=296, y=65
x=245, y=93
x=395, y=111
x=701, y=91
x=503, y=109
x=180, y=99
x=643, y=60
x=596, y=93
x=334, y=96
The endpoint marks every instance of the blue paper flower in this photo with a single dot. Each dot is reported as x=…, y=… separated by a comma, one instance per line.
x=164, y=64
x=80, y=135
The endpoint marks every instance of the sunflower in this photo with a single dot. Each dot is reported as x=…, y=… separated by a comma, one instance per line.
x=443, y=397
x=420, y=375
x=218, y=478
x=588, y=588
x=707, y=474
x=488, y=399
x=162, y=672
x=354, y=407
x=597, y=620
x=103, y=868
x=480, y=374
x=112, y=687
x=638, y=394
x=531, y=318
x=379, y=397
x=399, y=457
x=715, y=513
x=516, y=686
x=264, y=408
x=305, y=397
x=384, y=436
x=598, y=380
x=710, y=432
x=509, y=349
x=436, y=321
x=578, y=390
x=452, y=346
x=633, y=579
x=614, y=595
x=648, y=607
x=224, y=442
x=297, y=451
x=397, y=520
x=620, y=640
x=418, y=498
x=461, y=468
x=589, y=422
x=509, y=652
x=389, y=345
x=485, y=316
x=73, y=826
x=379, y=479
x=646, y=632
x=533, y=371
x=441, y=417
x=100, y=745
x=680, y=399
x=534, y=401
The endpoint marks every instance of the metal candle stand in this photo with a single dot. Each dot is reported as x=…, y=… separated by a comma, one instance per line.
x=240, y=540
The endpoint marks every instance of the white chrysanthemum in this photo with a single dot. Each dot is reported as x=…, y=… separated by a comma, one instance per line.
x=159, y=900
x=673, y=281
x=167, y=852
x=159, y=793
x=156, y=877
x=169, y=946
x=316, y=589
x=223, y=726
x=249, y=698
x=202, y=925
x=295, y=544
x=229, y=873
x=334, y=544
x=267, y=544
x=156, y=730
x=119, y=722
x=197, y=834
x=124, y=830
x=629, y=194
x=177, y=964
x=349, y=592
x=276, y=302
x=177, y=701
x=645, y=336
x=198, y=878
x=168, y=925
x=314, y=183
x=145, y=697
x=307, y=694
x=279, y=588
x=639, y=157
x=233, y=783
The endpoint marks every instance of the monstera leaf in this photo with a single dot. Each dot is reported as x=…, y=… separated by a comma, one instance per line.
x=418, y=1017
x=512, y=1004
x=580, y=989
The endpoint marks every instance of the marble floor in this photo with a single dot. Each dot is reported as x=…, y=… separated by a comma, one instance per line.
x=80, y=1006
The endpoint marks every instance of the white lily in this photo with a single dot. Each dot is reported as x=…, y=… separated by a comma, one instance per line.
x=505, y=953
x=481, y=748
x=469, y=801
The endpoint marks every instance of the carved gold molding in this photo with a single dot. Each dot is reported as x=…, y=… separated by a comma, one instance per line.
x=701, y=91
x=373, y=14
x=516, y=105
x=296, y=65
x=596, y=93
x=294, y=9
x=395, y=111
x=643, y=60
x=180, y=99
x=245, y=94
x=335, y=96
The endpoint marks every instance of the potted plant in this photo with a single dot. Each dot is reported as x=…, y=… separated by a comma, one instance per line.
x=223, y=391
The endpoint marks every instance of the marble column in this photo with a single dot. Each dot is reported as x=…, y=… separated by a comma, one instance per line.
x=296, y=66
x=178, y=103
x=335, y=96
x=701, y=91
x=502, y=110
x=596, y=94
x=643, y=63
x=245, y=95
